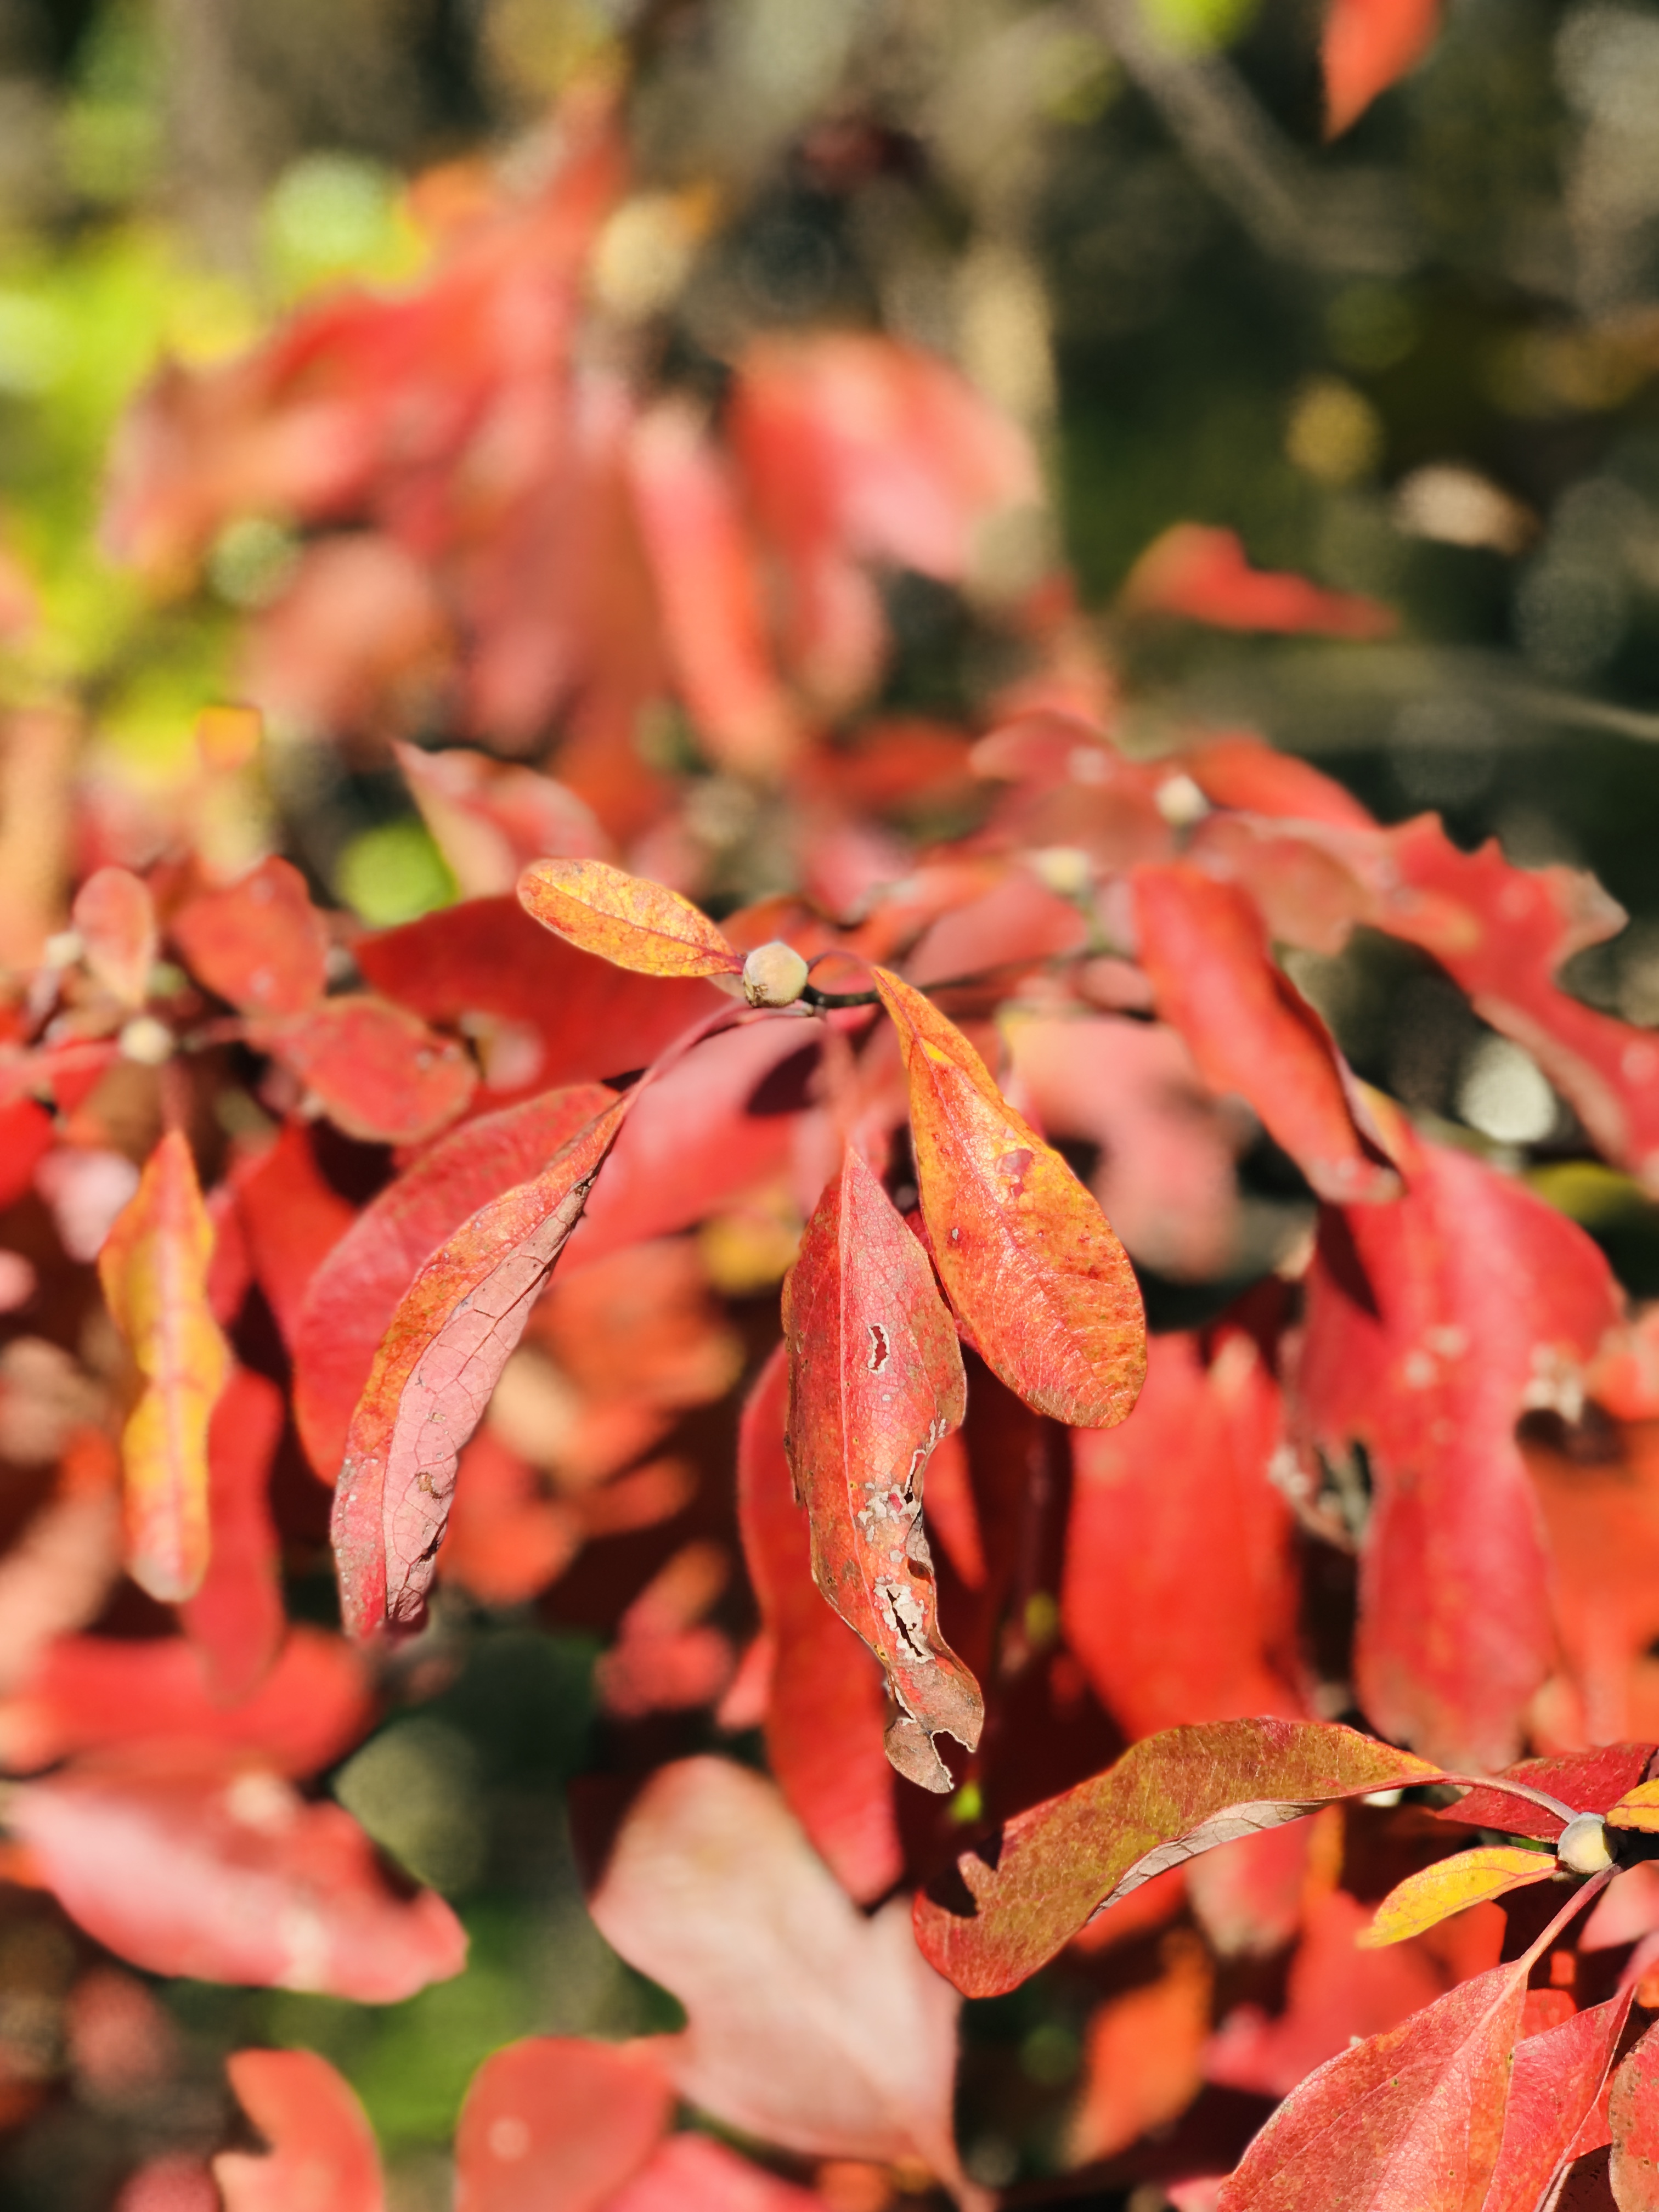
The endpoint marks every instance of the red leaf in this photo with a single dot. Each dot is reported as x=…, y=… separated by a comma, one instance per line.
x=507, y=1539
x=695, y=2173
x=809, y=2026
x=1203, y=574
x=557, y=2124
x=1026, y=1256
x=707, y=579
x=665, y=1659
x=1414, y=2116
x=446, y=1344
x=1177, y=1594
x=488, y=958
x=153, y=1268
x=952, y=1514
x=1588, y=1781
x=826, y=1711
x=323, y=2155
x=1368, y=44
x=1633, y=2116
x=1431, y=1325
x=27, y=1136
x=223, y=1874
x=380, y=1074
x=875, y=1380
x=114, y=917
x=235, y=1618
x=1167, y=1799
x=1243, y=772
x=261, y=943
x=360, y=630
x=354, y=1292
x=291, y=1218
x=91, y=1693
x=1251, y=1031
x=1557, y=2082
x=490, y=821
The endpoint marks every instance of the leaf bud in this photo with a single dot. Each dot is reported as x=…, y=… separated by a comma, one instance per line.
x=1582, y=1846
x=773, y=975
x=145, y=1040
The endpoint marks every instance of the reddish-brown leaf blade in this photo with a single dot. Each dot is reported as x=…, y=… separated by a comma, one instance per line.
x=1633, y=2116
x=1166, y=1799
x=290, y=1219
x=224, y=1873
x=95, y=1693
x=1587, y=1781
x=1368, y=44
x=556, y=2122
x=323, y=2155
x=809, y=2025
x=1205, y=949
x=1431, y=1325
x=379, y=1073
x=1024, y=1250
x=627, y=920
x=1414, y=2117
x=826, y=1711
x=154, y=1268
x=1177, y=1594
x=1204, y=575
x=235, y=1619
x=259, y=943
x=115, y=918
x=1555, y=2085
x=446, y=1344
x=875, y=1380
x=354, y=1292
x=1435, y=1892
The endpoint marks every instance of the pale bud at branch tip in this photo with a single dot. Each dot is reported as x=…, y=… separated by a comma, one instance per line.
x=773, y=975
x=1582, y=1846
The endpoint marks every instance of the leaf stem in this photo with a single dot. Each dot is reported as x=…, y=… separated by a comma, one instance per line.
x=1575, y=1903
x=812, y=997
x=1564, y=1813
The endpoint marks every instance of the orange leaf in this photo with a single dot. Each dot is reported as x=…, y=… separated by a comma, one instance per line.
x=1368, y=44
x=432, y=1378
x=1435, y=1892
x=322, y=2153
x=875, y=1381
x=627, y=920
x=1026, y=1255
x=154, y=1270
x=556, y=2121
x=1637, y=1809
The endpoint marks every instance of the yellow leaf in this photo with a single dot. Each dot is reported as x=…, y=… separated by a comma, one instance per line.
x=154, y=1270
x=1452, y=1886
x=1637, y=1809
x=627, y=920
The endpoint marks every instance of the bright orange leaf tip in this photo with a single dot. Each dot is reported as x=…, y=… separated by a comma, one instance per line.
x=154, y=1270
x=1170, y=1797
x=1027, y=1258
x=627, y=920
x=1435, y=1892
x=1638, y=1808
x=1370, y=45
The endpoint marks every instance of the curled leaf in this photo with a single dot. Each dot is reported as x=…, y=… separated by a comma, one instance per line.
x=447, y=1344
x=1026, y=1255
x=875, y=1381
x=1435, y=1892
x=154, y=1270
x=627, y=920
x=1167, y=1799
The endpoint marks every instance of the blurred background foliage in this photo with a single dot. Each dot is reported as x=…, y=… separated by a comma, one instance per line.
x=1419, y=365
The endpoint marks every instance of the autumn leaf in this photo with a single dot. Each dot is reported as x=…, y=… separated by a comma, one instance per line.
x=444, y=1349
x=1026, y=1256
x=1556, y=2085
x=1368, y=44
x=695, y=2173
x=353, y=1294
x=235, y=1618
x=322, y=2153
x=218, y=1869
x=1451, y=1886
x=1582, y=1781
x=825, y=1710
x=627, y=920
x=1411, y=2117
x=1637, y=1809
x=1167, y=1799
x=114, y=917
x=1204, y=575
x=1633, y=2116
x=154, y=1270
x=875, y=1381
x=809, y=2026
x=378, y=1073
x=260, y=942
x=1205, y=949
x=554, y=2120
